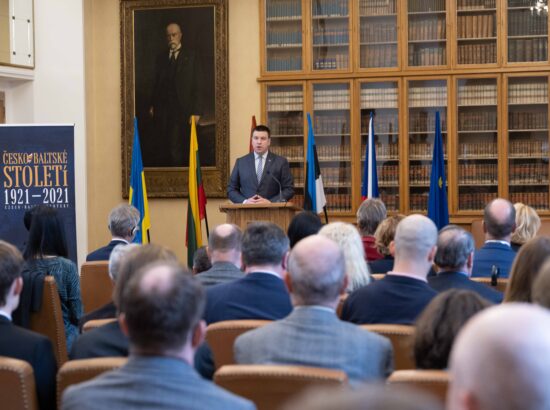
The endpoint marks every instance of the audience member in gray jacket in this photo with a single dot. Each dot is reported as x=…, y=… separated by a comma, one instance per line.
x=312, y=335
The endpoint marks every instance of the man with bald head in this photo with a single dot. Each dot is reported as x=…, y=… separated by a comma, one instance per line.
x=312, y=335
x=500, y=360
x=404, y=292
x=162, y=307
x=224, y=249
x=499, y=222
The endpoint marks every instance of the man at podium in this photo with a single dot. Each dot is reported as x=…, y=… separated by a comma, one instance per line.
x=261, y=176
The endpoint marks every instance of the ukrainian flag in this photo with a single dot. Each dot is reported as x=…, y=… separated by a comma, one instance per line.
x=138, y=191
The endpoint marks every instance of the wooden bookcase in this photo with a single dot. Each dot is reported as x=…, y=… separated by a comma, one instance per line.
x=483, y=64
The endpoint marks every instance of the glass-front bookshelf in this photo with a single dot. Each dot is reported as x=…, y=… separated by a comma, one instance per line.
x=378, y=33
x=382, y=100
x=527, y=30
x=528, y=141
x=477, y=132
x=427, y=32
x=476, y=26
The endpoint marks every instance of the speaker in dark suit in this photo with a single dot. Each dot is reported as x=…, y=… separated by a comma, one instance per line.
x=260, y=176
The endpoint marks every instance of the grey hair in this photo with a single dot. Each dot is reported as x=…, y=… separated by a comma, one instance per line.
x=369, y=215
x=414, y=237
x=122, y=219
x=454, y=245
x=117, y=257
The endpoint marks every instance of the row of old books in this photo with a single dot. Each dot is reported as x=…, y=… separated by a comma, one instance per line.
x=383, y=151
x=427, y=28
x=477, y=94
x=427, y=55
x=335, y=8
x=531, y=173
x=383, y=123
x=379, y=98
x=293, y=125
x=282, y=37
x=388, y=174
x=297, y=175
x=477, y=53
x=476, y=25
x=333, y=176
x=339, y=61
x=528, y=148
x=285, y=101
x=377, y=7
x=331, y=99
x=521, y=3
x=377, y=32
x=423, y=150
x=526, y=23
x=290, y=152
x=475, y=4
x=379, y=55
x=340, y=152
x=528, y=49
x=286, y=62
x=324, y=124
x=484, y=149
x=538, y=200
x=428, y=96
x=390, y=198
x=424, y=121
x=418, y=202
x=478, y=173
x=477, y=120
x=416, y=6
x=283, y=9
x=527, y=120
x=419, y=174
x=528, y=93
x=477, y=200
x=322, y=36
x=338, y=202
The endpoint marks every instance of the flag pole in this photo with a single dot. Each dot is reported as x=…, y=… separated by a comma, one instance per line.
x=206, y=224
x=326, y=214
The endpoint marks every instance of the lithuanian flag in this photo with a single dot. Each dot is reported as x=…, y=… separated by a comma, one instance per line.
x=196, y=208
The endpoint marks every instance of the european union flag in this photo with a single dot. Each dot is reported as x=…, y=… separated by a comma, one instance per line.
x=438, y=209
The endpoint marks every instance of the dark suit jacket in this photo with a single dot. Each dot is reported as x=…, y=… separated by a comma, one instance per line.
x=103, y=254
x=455, y=280
x=105, y=341
x=243, y=183
x=493, y=253
x=383, y=265
x=107, y=311
x=22, y=344
x=256, y=296
x=393, y=299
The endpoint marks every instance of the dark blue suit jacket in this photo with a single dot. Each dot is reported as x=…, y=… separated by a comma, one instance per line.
x=393, y=299
x=256, y=296
x=493, y=253
x=243, y=183
x=383, y=265
x=103, y=254
x=455, y=280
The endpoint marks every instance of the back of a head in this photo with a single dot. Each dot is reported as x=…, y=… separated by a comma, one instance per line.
x=317, y=271
x=527, y=223
x=348, y=239
x=499, y=218
x=162, y=303
x=369, y=215
x=415, y=236
x=439, y=324
x=454, y=245
x=385, y=233
x=11, y=263
x=47, y=235
x=500, y=360
x=118, y=254
x=123, y=219
x=225, y=238
x=137, y=258
x=526, y=266
x=302, y=225
x=201, y=260
x=264, y=243
x=540, y=291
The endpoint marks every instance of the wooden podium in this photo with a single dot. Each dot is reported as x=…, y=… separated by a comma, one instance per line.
x=280, y=213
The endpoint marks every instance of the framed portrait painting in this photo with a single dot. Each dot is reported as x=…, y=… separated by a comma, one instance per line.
x=174, y=66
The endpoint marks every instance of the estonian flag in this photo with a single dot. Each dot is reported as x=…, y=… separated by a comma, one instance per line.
x=138, y=191
x=438, y=210
x=370, y=177
x=314, y=192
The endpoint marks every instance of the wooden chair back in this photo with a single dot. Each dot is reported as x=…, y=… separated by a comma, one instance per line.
x=96, y=287
x=17, y=385
x=434, y=382
x=402, y=340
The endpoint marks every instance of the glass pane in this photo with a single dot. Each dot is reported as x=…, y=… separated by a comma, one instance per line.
x=427, y=32
x=283, y=33
x=477, y=142
x=425, y=99
x=527, y=30
x=528, y=141
x=382, y=100
x=332, y=126
x=285, y=118
x=330, y=35
x=477, y=31
x=378, y=33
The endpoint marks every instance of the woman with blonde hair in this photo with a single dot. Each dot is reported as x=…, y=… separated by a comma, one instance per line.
x=348, y=239
x=527, y=225
x=383, y=237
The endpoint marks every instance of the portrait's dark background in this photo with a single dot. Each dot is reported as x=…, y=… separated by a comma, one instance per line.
x=197, y=26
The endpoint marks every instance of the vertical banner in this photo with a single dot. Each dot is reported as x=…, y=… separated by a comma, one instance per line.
x=36, y=168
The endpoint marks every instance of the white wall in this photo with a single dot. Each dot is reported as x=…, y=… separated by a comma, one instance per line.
x=56, y=95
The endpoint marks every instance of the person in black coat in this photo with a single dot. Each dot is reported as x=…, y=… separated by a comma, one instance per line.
x=383, y=238
x=19, y=343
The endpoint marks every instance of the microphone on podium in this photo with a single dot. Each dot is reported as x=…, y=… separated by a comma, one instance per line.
x=281, y=199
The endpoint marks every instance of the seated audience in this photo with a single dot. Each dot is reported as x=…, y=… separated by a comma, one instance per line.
x=525, y=269
x=109, y=340
x=303, y=224
x=161, y=314
x=369, y=215
x=201, y=260
x=19, y=343
x=46, y=253
x=404, y=292
x=225, y=250
x=499, y=222
x=115, y=260
x=123, y=224
x=527, y=225
x=500, y=360
x=312, y=335
x=454, y=259
x=349, y=241
x=540, y=291
x=439, y=324
x=383, y=238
